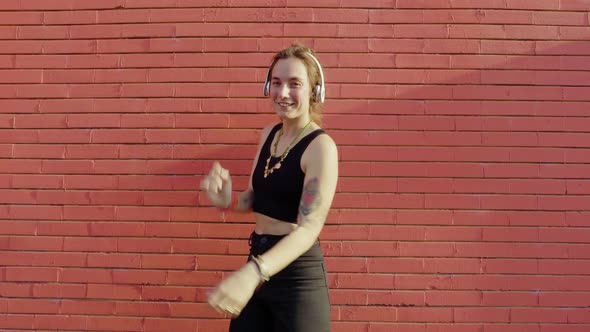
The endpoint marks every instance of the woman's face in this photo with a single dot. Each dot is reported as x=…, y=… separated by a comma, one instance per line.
x=290, y=89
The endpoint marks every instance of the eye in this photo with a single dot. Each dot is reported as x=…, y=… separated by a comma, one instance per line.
x=276, y=83
x=295, y=84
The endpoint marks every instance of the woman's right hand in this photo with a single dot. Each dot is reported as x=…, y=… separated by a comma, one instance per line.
x=217, y=184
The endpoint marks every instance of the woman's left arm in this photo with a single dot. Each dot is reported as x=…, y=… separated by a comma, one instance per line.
x=320, y=164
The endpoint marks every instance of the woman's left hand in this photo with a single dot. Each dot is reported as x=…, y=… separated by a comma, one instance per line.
x=234, y=292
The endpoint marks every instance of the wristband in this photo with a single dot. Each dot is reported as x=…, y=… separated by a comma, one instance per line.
x=232, y=205
x=262, y=268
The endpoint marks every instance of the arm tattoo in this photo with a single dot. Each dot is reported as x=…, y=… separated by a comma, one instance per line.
x=310, y=198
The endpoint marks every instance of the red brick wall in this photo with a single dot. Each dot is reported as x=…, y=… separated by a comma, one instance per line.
x=463, y=128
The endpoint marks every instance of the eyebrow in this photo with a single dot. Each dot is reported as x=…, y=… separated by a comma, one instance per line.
x=294, y=78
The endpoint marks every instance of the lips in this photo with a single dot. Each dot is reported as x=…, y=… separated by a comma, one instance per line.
x=283, y=104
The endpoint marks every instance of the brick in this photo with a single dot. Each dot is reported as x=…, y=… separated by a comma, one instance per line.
x=112, y=323
x=62, y=197
x=510, y=298
x=534, y=218
x=407, y=201
x=21, y=76
x=421, y=31
x=540, y=315
x=421, y=4
x=453, y=46
x=514, y=234
x=31, y=274
x=509, y=250
x=18, y=227
x=6, y=151
x=39, y=151
x=43, y=32
x=153, y=324
x=175, y=75
x=191, y=278
x=142, y=309
x=69, y=17
x=532, y=32
x=7, y=61
x=110, y=228
x=428, y=92
x=437, y=298
x=396, y=16
x=146, y=152
x=199, y=90
x=512, y=202
x=560, y=48
x=396, y=46
x=171, y=167
x=346, y=216
x=559, y=17
x=59, y=291
x=95, y=307
x=406, y=314
x=66, y=166
x=495, y=315
x=517, y=139
x=573, y=5
x=529, y=5
x=566, y=267
x=362, y=313
x=174, y=262
x=248, y=30
x=562, y=139
x=82, y=244
x=563, y=203
x=578, y=315
x=118, y=136
x=56, y=228
x=555, y=299
x=116, y=197
x=427, y=249
x=575, y=328
x=114, y=260
x=365, y=185
x=33, y=306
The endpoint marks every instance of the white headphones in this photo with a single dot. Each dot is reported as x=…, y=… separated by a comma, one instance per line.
x=319, y=91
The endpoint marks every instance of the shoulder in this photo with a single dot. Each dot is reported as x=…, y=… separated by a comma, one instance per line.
x=266, y=131
x=322, y=147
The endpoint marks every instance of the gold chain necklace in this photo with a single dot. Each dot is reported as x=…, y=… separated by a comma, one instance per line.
x=276, y=166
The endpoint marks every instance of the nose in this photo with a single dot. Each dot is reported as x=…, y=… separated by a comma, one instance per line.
x=283, y=91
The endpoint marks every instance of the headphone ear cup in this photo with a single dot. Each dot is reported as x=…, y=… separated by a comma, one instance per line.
x=317, y=94
x=266, y=90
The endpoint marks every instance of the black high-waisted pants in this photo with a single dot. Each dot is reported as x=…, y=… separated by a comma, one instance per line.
x=293, y=300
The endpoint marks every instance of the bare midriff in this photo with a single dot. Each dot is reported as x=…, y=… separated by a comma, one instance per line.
x=271, y=226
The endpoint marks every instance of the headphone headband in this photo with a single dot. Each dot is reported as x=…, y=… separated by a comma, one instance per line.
x=319, y=90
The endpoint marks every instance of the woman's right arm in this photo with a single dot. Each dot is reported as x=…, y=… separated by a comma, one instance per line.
x=245, y=199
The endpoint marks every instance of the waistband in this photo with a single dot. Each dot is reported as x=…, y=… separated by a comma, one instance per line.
x=261, y=243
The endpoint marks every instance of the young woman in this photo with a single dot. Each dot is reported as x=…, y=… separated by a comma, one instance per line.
x=283, y=285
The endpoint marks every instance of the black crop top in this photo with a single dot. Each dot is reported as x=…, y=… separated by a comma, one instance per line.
x=279, y=194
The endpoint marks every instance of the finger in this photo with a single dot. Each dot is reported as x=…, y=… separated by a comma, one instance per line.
x=205, y=183
x=218, y=183
x=224, y=174
x=214, y=185
x=215, y=169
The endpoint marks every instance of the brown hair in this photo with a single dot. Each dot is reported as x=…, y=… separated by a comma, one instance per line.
x=300, y=52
